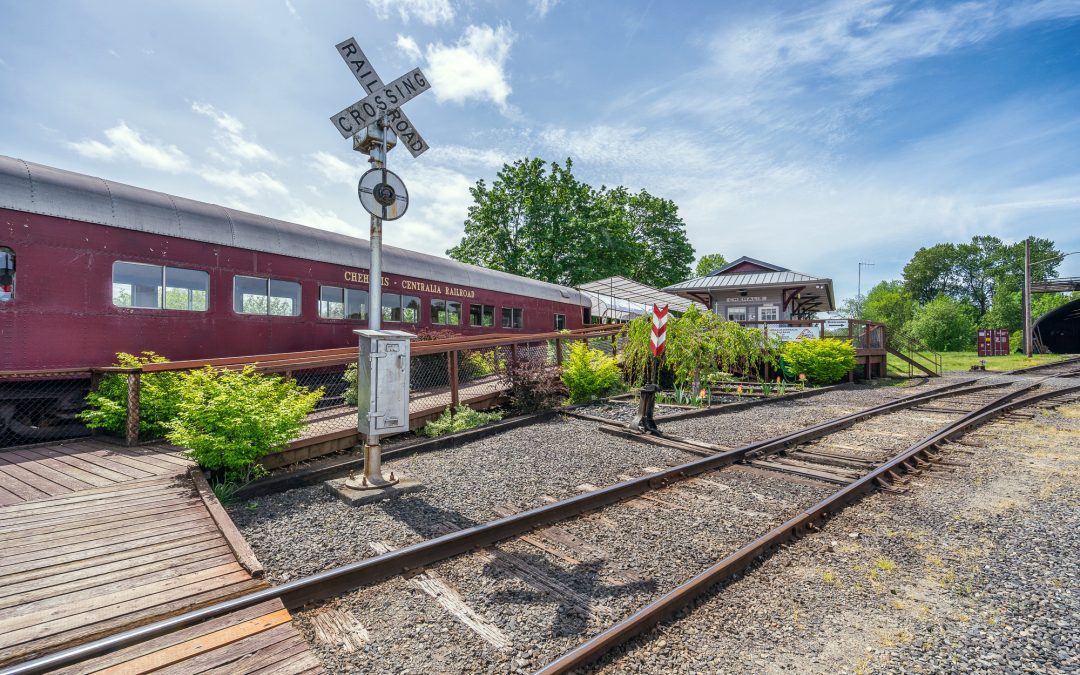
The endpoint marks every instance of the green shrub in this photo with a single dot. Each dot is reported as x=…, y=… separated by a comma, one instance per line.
x=823, y=361
x=228, y=420
x=477, y=363
x=106, y=406
x=460, y=419
x=589, y=373
x=351, y=393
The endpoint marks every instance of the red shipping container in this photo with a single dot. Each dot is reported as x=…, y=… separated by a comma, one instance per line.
x=993, y=342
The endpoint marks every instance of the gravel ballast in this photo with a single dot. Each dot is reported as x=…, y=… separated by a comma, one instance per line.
x=625, y=555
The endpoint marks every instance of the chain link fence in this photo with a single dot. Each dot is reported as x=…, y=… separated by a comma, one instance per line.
x=42, y=407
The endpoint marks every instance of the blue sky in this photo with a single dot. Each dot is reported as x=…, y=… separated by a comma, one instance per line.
x=811, y=135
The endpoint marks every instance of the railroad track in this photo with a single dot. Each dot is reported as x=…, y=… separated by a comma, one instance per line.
x=1065, y=368
x=861, y=451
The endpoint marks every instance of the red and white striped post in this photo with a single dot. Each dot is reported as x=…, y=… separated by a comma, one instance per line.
x=657, y=343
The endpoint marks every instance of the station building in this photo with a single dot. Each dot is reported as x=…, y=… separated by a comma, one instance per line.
x=754, y=290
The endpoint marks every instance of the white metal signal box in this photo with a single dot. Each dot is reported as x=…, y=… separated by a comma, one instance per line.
x=383, y=381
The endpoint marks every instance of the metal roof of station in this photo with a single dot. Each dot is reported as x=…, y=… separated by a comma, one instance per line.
x=36, y=188
x=816, y=292
x=622, y=299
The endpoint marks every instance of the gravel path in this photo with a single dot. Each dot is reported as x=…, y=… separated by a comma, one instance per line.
x=974, y=570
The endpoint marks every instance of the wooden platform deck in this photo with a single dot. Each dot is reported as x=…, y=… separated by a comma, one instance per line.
x=97, y=538
x=39, y=472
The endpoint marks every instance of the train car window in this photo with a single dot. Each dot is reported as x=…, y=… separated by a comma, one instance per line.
x=560, y=321
x=410, y=309
x=136, y=285
x=356, y=304
x=186, y=289
x=7, y=274
x=391, y=307
x=481, y=315
x=249, y=295
x=511, y=317
x=284, y=298
x=453, y=313
x=438, y=311
x=331, y=302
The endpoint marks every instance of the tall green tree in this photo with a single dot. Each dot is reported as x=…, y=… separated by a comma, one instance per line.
x=944, y=324
x=930, y=272
x=709, y=262
x=890, y=303
x=540, y=221
x=651, y=234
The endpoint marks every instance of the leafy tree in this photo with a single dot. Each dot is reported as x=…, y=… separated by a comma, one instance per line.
x=930, y=272
x=539, y=221
x=889, y=303
x=944, y=324
x=709, y=262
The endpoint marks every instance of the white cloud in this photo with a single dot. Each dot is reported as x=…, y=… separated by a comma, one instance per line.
x=247, y=184
x=408, y=45
x=429, y=12
x=542, y=7
x=336, y=170
x=289, y=6
x=127, y=143
x=229, y=138
x=474, y=67
x=491, y=158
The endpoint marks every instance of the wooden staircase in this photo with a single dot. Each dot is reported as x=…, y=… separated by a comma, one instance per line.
x=917, y=358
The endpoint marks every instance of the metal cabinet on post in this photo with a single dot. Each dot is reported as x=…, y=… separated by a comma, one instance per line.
x=383, y=382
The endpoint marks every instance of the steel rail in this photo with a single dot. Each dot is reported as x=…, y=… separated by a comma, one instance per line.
x=666, y=606
x=345, y=578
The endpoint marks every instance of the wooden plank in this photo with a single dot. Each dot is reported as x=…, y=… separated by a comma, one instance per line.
x=291, y=654
x=98, y=457
x=87, y=520
x=21, y=473
x=204, y=643
x=450, y=600
x=104, y=547
x=229, y=654
x=136, y=616
x=170, y=639
x=163, y=543
x=112, y=494
x=46, y=468
x=56, y=540
x=22, y=629
x=338, y=630
x=225, y=525
x=18, y=488
x=29, y=591
x=82, y=463
x=58, y=596
x=146, y=461
x=7, y=497
x=807, y=473
x=302, y=664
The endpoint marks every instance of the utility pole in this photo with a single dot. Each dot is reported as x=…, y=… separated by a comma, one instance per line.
x=1027, y=297
x=858, y=296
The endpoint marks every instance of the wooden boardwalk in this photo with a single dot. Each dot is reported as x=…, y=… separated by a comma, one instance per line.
x=97, y=538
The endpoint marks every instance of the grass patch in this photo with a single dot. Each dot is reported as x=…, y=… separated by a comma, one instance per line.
x=965, y=360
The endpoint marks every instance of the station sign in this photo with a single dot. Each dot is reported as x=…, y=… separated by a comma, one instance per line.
x=792, y=333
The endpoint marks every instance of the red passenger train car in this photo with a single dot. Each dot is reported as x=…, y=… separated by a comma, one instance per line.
x=90, y=267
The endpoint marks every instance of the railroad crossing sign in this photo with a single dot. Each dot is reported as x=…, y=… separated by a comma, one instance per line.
x=383, y=194
x=382, y=101
x=658, y=339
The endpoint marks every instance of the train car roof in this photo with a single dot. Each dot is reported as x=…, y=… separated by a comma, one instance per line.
x=45, y=190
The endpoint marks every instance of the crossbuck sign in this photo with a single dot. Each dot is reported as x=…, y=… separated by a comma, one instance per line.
x=382, y=101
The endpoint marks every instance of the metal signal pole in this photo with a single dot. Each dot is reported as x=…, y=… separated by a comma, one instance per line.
x=1027, y=297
